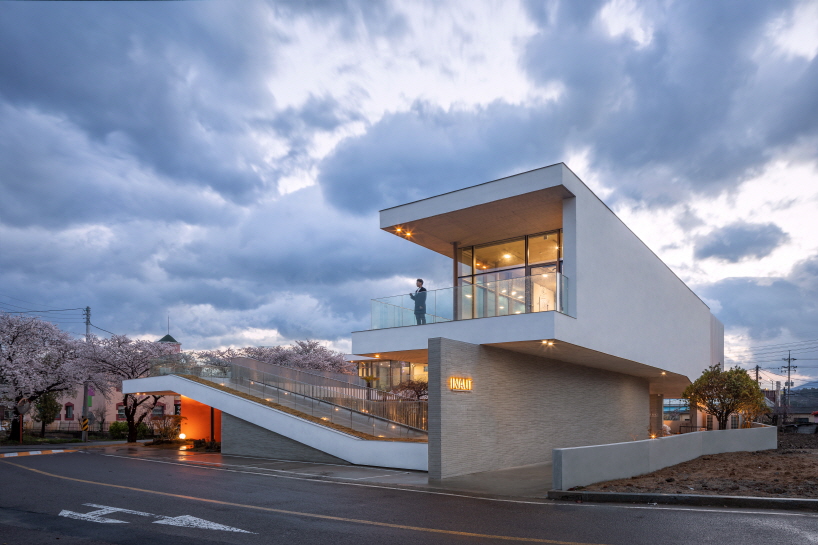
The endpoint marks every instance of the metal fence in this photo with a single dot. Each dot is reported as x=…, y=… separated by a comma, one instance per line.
x=288, y=386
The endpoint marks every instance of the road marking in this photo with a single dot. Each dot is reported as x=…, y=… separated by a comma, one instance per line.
x=222, y=465
x=550, y=503
x=308, y=515
x=33, y=453
x=371, y=477
x=185, y=521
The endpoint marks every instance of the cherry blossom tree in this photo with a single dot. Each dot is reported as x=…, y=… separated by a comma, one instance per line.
x=120, y=358
x=302, y=355
x=38, y=358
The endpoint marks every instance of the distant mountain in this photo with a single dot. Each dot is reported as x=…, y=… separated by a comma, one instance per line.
x=804, y=397
x=806, y=386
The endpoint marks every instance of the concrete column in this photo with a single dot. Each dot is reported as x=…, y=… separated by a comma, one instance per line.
x=656, y=413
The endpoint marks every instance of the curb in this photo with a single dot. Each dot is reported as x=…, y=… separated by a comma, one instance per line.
x=685, y=499
x=31, y=448
x=33, y=453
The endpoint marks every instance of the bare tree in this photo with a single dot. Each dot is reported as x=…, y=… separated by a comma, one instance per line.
x=419, y=389
x=99, y=415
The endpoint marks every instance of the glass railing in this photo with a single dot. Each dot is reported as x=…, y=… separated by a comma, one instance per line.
x=523, y=295
x=363, y=409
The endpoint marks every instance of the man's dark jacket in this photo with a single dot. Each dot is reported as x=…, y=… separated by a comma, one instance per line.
x=419, y=297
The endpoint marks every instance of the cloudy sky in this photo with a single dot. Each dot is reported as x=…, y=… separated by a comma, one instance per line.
x=224, y=162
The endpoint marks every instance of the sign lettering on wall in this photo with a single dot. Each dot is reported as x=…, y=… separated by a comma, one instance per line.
x=460, y=384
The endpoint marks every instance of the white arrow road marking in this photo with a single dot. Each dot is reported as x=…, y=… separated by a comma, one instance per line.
x=185, y=521
x=192, y=522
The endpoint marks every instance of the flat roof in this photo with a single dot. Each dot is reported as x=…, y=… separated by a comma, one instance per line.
x=525, y=203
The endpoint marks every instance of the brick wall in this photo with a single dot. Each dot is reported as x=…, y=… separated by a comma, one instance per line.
x=521, y=407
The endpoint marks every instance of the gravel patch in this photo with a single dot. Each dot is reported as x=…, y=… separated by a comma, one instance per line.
x=790, y=471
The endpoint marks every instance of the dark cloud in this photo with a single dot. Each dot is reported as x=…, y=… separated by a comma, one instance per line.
x=740, y=240
x=164, y=80
x=693, y=110
x=429, y=150
x=770, y=307
x=136, y=170
x=294, y=264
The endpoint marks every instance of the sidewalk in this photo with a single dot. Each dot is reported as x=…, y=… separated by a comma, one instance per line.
x=527, y=482
x=63, y=446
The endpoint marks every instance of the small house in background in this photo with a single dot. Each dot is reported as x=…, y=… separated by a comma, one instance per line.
x=174, y=345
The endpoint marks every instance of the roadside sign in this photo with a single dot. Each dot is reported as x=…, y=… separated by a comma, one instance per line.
x=84, y=424
x=23, y=406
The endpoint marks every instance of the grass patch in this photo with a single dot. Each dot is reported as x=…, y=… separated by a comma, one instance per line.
x=300, y=414
x=30, y=440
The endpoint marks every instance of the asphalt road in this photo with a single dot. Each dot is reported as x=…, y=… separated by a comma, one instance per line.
x=77, y=498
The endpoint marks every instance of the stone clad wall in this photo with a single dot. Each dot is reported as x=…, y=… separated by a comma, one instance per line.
x=521, y=407
x=245, y=439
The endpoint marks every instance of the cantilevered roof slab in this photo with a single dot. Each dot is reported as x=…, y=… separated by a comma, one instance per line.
x=526, y=203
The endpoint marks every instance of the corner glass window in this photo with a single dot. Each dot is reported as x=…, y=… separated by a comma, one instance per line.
x=503, y=255
x=544, y=248
x=465, y=258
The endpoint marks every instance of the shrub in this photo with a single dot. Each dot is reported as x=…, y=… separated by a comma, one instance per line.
x=207, y=445
x=118, y=430
x=143, y=431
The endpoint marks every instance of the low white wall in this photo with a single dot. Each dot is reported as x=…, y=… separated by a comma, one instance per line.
x=395, y=454
x=581, y=466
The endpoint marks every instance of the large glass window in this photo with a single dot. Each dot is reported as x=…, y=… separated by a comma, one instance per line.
x=503, y=255
x=465, y=261
x=544, y=248
x=509, y=277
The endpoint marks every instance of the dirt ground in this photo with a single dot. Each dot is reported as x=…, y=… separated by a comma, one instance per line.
x=790, y=471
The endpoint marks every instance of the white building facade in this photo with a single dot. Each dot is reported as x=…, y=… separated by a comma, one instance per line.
x=561, y=328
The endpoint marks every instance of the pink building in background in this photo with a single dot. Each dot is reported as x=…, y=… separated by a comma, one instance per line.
x=104, y=411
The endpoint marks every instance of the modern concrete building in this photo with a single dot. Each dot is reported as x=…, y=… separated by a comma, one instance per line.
x=561, y=328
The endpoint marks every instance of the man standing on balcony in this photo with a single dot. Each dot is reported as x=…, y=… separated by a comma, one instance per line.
x=419, y=297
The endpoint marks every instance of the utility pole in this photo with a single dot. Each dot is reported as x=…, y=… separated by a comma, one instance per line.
x=757, y=374
x=87, y=313
x=789, y=359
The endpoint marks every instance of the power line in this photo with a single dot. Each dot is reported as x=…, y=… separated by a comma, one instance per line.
x=766, y=346
x=797, y=345
x=29, y=311
x=105, y=330
x=21, y=300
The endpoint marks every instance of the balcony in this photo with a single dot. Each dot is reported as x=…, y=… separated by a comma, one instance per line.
x=521, y=295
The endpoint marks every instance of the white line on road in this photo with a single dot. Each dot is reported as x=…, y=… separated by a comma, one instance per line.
x=714, y=510
x=185, y=521
x=223, y=465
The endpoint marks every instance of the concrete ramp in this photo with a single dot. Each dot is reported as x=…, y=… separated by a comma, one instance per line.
x=318, y=437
